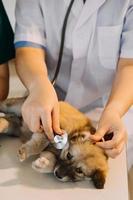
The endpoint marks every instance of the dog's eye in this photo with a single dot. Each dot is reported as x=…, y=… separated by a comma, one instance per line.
x=69, y=156
x=79, y=170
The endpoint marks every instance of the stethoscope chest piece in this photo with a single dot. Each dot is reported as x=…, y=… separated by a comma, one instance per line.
x=60, y=141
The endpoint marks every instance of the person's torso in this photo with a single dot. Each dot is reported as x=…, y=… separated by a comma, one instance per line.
x=92, y=45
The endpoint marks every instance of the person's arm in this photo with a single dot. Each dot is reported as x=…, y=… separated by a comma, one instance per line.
x=41, y=106
x=4, y=81
x=121, y=97
x=30, y=65
x=120, y=100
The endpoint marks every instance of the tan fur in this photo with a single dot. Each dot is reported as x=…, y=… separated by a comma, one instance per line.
x=71, y=119
x=4, y=124
x=79, y=159
x=90, y=157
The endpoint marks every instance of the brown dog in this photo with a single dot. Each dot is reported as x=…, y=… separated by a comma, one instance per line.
x=79, y=159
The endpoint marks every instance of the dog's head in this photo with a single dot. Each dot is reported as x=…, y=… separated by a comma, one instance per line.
x=82, y=159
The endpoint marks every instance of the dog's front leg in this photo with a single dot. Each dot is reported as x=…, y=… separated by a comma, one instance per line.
x=10, y=125
x=4, y=125
x=12, y=105
x=46, y=163
x=34, y=146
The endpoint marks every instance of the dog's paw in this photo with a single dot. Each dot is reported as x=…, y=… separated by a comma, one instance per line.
x=42, y=165
x=22, y=154
x=4, y=124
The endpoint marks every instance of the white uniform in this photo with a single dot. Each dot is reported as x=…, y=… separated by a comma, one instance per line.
x=98, y=33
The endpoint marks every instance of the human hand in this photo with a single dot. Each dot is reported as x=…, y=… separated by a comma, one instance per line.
x=110, y=121
x=41, y=109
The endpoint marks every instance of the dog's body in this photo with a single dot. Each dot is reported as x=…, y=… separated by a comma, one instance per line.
x=79, y=159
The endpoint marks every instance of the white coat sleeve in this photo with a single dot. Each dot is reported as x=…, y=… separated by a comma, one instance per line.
x=127, y=34
x=30, y=25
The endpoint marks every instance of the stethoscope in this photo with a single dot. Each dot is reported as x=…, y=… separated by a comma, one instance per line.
x=61, y=140
x=63, y=34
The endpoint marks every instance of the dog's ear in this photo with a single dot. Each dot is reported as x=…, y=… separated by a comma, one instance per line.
x=91, y=129
x=98, y=179
x=80, y=136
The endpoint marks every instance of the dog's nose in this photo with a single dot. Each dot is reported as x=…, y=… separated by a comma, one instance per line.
x=58, y=175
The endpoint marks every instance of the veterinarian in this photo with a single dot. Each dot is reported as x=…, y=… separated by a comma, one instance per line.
x=7, y=51
x=97, y=62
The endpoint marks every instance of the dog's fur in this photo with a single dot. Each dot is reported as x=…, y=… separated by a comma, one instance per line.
x=79, y=159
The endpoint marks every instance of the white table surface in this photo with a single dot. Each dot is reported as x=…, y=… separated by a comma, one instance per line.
x=18, y=181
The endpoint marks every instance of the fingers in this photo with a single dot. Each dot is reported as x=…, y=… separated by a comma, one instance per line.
x=38, y=120
x=99, y=134
x=56, y=120
x=51, y=122
x=113, y=153
x=47, y=124
x=116, y=140
x=115, y=146
x=31, y=118
x=34, y=123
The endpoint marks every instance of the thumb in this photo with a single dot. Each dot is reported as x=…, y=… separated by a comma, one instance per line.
x=99, y=134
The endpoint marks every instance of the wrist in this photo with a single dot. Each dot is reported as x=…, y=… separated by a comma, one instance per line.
x=116, y=107
x=38, y=83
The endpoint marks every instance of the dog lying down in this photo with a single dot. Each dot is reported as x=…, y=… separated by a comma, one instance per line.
x=80, y=158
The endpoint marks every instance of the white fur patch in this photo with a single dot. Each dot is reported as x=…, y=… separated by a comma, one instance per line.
x=86, y=134
x=41, y=165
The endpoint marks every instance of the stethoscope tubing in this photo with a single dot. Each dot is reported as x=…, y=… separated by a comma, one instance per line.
x=63, y=34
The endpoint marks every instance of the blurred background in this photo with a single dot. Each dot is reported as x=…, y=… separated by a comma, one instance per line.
x=16, y=87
